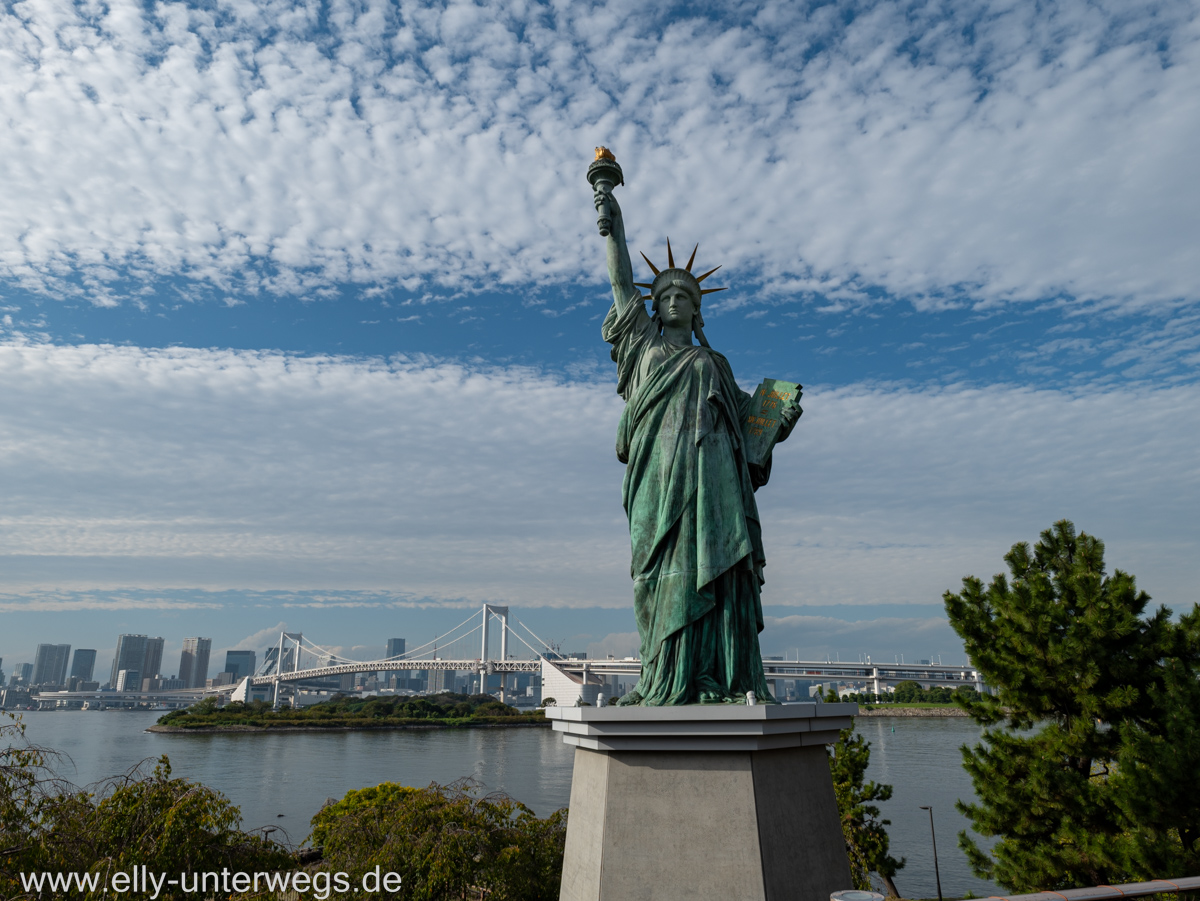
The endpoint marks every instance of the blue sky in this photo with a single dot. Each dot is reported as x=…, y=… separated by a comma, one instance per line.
x=300, y=304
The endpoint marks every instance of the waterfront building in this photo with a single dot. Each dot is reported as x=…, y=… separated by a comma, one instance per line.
x=152, y=662
x=131, y=650
x=128, y=680
x=50, y=664
x=13, y=697
x=241, y=664
x=83, y=664
x=193, y=662
x=139, y=654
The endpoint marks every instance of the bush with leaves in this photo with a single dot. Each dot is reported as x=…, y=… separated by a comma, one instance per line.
x=28, y=791
x=1088, y=772
x=444, y=841
x=167, y=824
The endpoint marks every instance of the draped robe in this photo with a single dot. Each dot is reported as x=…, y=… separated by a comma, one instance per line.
x=697, y=553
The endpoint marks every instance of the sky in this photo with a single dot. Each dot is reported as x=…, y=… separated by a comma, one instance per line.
x=300, y=306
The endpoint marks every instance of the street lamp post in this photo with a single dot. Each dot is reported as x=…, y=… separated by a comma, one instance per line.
x=933, y=838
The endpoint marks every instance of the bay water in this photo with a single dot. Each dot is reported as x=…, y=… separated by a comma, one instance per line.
x=281, y=779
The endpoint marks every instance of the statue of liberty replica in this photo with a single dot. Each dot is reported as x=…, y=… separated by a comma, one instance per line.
x=696, y=448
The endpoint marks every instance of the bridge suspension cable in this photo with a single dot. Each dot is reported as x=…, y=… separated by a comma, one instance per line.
x=319, y=651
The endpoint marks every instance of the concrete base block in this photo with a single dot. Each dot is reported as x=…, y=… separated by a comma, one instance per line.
x=666, y=825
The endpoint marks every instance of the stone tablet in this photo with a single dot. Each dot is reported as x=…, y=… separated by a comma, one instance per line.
x=762, y=424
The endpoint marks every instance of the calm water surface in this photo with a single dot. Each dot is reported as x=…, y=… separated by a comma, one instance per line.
x=292, y=774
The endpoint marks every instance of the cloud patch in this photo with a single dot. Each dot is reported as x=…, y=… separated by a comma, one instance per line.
x=982, y=153
x=322, y=483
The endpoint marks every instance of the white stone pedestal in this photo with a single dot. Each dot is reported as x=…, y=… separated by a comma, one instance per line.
x=703, y=802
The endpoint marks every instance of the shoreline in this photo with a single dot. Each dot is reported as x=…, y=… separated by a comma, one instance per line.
x=913, y=711
x=339, y=727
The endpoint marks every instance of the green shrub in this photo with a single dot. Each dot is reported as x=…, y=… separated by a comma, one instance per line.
x=444, y=841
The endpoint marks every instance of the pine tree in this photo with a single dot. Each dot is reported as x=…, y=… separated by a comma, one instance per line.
x=863, y=828
x=1077, y=777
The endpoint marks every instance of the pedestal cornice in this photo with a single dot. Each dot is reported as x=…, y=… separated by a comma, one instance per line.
x=701, y=727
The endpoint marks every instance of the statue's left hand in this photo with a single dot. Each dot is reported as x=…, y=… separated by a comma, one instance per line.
x=791, y=415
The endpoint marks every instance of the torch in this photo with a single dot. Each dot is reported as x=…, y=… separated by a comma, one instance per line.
x=604, y=174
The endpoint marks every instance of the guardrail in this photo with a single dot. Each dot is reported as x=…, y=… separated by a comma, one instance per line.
x=1098, y=892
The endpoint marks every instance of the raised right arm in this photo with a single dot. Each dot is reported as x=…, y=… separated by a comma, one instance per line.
x=620, y=270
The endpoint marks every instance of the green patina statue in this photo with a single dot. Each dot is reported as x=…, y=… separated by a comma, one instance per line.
x=689, y=485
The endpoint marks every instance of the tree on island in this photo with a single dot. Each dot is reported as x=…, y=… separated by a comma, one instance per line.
x=1087, y=773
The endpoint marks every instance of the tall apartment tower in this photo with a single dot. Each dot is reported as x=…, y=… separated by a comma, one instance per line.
x=139, y=654
x=84, y=663
x=131, y=651
x=241, y=664
x=193, y=662
x=152, y=662
x=50, y=664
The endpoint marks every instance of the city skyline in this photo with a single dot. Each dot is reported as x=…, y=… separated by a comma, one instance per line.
x=314, y=346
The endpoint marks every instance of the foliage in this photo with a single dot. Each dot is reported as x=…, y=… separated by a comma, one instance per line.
x=168, y=825
x=446, y=708
x=445, y=841
x=27, y=791
x=1085, y=775
x=911, y=693
x=862, y=827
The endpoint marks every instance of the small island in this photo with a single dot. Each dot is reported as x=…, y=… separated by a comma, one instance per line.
x=441, y=711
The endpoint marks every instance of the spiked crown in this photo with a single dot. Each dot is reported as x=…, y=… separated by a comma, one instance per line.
x=672, y=275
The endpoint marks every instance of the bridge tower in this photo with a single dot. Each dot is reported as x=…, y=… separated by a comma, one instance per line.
x=281, y=660
x=501, y=613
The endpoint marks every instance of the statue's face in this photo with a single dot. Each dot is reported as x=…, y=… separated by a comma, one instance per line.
x=676, y=306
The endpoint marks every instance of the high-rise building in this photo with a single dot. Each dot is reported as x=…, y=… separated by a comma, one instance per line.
x=395, y=648
x=84, y=663
x=152, y=662
x=128, y=680
x=50, y=664
x=441, y=680
x=131, y=651
x=193, y=662
x=137, y=653
x=241, y=664
x=23, y=672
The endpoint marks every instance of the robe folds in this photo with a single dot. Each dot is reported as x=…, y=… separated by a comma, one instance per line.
x=697, y=553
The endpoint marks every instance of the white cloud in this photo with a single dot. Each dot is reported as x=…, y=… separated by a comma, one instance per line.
x=257, y=470
x=309, y=484
x=618, y=644
x=983, y=152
